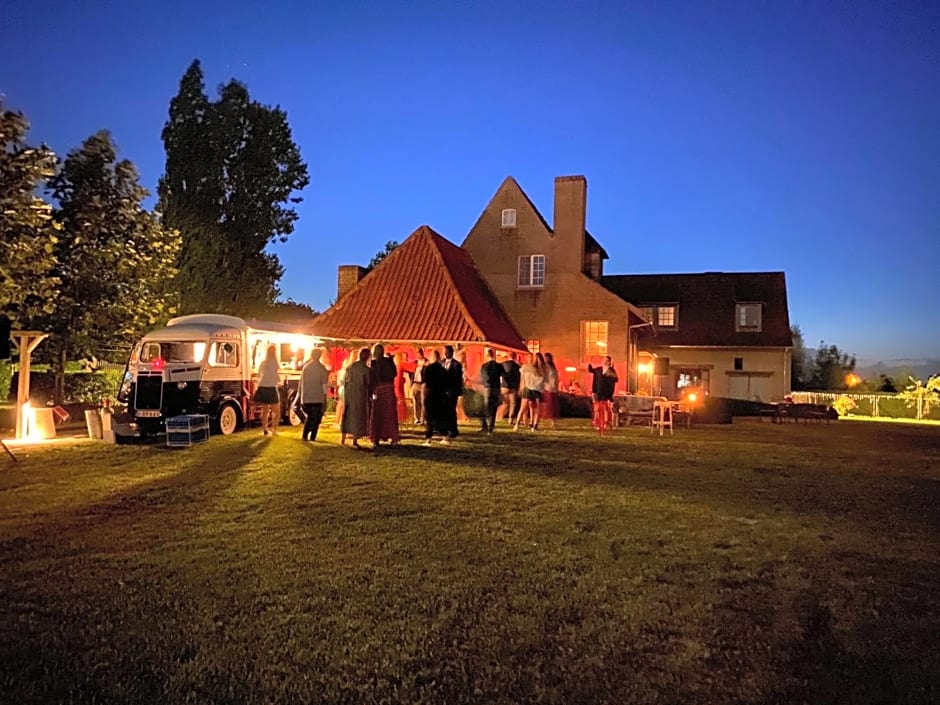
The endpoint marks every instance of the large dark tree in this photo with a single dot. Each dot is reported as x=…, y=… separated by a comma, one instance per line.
x=831, y=368
x=28, y=285
x=116, y=262
x=798, y=361
x=232, y=171
x=380, y=256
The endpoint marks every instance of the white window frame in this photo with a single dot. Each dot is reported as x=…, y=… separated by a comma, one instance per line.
x=672, y=309
x=509, y=218
x=745, y=323
x=530, y=272
x=595, y=336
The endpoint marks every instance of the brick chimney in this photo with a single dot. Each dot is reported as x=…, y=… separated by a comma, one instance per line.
x=349, y=276
x=570, y=214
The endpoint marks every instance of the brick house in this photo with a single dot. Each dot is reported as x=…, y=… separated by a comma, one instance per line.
x=727, y=334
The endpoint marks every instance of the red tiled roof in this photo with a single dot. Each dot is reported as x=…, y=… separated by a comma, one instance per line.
x=427, y=290
x=706, y=305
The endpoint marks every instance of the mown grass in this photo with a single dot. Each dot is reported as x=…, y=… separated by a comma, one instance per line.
x=761, y=563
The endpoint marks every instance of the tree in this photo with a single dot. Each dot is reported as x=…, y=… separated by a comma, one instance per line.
x=831, y=367
x=28, y=285
x=382, y=254
x=115, y=260
x=922, y=396
x=798, y=361
x=232, y=168
x=291, y=311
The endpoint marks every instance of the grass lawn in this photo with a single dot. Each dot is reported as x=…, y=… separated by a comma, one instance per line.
x=756, y=563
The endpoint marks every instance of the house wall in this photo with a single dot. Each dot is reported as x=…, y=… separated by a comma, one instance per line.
x=765, y=373
x=552, y=314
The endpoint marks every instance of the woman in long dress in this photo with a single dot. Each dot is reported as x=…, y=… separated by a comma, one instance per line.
x=355, y=421
x=384, y=426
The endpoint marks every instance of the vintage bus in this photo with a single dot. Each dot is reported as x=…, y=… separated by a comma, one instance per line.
x=208, y=364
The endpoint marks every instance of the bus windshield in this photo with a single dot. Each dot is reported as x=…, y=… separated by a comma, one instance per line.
x=184, y=351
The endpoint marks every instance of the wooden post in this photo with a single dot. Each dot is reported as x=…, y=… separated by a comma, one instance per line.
x=25, y=341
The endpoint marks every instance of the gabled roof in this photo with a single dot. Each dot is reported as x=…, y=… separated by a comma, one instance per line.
x=706, y=306
x=427, y=290
x=589, y=242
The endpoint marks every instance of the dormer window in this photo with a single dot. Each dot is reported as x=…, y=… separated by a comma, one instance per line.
x=531, y=272
x=509, y=217
x=747, y=317
x=662, y=315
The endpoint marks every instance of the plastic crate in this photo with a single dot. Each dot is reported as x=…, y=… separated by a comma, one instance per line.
x=183, y=431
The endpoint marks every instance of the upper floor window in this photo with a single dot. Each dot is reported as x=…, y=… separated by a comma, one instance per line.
x=747, y=317
x=593, y=340
x=509, y=217
x=531, y=271
x=662, y=315
x=534, y=345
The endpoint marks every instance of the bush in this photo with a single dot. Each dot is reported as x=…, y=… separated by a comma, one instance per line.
x=6, y=380
x=87, y=387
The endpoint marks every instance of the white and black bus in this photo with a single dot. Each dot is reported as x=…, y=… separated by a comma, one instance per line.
x=208, y=364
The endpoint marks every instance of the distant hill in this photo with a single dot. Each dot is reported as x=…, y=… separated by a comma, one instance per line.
x=898, y=370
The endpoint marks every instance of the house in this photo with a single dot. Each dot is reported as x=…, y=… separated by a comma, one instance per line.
x=725, y=334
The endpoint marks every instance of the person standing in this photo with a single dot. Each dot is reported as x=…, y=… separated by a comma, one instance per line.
x=417, y=388
x=493, y=376
x=510, y=389
x=435, y=399
x=314, y=380
x=602, y=392
x=266, y=393
x=382, y=376
x=533, y=382
x=454, y=390
x=550, y=394
x=355, y=421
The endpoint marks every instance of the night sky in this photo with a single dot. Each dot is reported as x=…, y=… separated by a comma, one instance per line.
x=744, y=136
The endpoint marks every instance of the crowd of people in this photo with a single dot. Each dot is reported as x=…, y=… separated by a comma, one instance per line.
x=373, y=389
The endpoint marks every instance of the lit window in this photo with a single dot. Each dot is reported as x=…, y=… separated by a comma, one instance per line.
x=666, y=316
x=534, y=346
x=531, y=271
x=748, y=317
x=593, y=339
x=509, y=217
x=224, y=354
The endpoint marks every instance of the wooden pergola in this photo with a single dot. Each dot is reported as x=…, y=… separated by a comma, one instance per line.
x=25, y=341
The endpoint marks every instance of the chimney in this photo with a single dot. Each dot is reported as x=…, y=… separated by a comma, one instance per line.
x=570, y=213
x=349, y=276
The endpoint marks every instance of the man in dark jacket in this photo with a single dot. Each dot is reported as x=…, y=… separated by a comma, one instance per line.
x=436, y=385
x=454, y=375
x=602, y=390
x=494, y=377
x=510, y=389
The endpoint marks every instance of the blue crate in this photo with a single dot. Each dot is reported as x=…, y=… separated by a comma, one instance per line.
x=185, y=430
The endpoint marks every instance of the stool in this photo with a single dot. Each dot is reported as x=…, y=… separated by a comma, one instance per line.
x=662, y=417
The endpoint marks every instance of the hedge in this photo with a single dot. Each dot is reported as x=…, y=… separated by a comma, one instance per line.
x=86, y=387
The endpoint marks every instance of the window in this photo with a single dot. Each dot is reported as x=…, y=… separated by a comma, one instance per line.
x=534, y=346
x=173, y=352
x=739, y=363
x=531, y=271
x=509, y=217
x=224, y=354
x=748, y=317
x=666, y=316
x=593, y=340
x=661, y=315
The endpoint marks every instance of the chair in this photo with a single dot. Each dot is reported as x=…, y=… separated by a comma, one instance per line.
x=662, y=416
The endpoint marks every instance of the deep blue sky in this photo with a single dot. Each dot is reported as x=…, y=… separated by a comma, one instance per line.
x=802, y=137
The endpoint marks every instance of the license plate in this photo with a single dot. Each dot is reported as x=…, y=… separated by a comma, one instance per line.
x=148, y=414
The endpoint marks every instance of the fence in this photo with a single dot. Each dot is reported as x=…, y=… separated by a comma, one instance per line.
x=876, y=405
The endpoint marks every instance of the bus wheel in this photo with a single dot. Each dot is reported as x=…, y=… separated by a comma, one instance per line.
x=292, y=418
x=229, y=419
